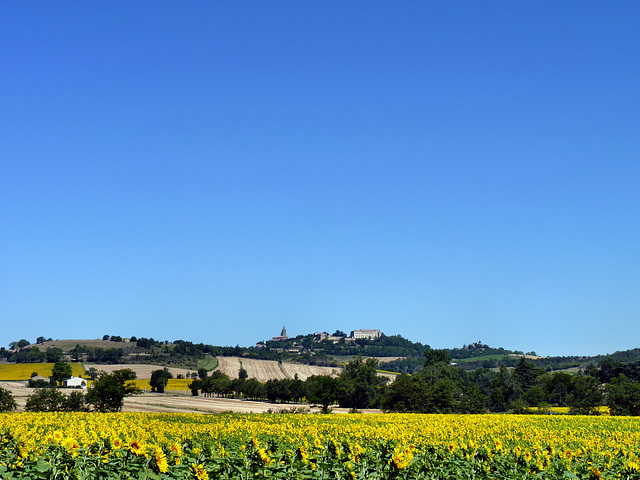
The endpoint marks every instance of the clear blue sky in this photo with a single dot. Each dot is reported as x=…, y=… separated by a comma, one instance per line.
x=209, y=171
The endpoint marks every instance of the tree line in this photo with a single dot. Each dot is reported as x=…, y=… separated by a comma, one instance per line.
x=440, y=387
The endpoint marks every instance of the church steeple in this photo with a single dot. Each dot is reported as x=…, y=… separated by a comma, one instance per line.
x=283, y=334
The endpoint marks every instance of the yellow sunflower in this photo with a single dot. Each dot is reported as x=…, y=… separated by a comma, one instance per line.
x=161, y=459
x=200, y=472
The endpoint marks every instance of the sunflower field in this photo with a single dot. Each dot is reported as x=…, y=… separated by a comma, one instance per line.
x=288, y=446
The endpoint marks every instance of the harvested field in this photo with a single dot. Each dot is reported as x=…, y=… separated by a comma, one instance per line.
x=387, y=359
x=306, y=371
x=264, y=370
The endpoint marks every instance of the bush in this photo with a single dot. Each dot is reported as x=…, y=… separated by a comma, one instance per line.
x=7, y=403
x=39, y=383
x=46, y=400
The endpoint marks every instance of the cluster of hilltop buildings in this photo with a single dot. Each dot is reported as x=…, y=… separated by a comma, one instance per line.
x=363, y=334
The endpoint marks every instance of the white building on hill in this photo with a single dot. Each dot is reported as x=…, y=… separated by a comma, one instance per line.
x=365, y=333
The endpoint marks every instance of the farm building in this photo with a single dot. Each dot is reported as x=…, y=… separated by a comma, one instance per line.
x=75, y=382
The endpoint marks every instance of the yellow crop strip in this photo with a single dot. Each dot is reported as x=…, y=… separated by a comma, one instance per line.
x=23, y=371
x=173, y=385
x=360, y=446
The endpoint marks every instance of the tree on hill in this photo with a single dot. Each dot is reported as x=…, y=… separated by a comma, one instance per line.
x=108, y=392
x=19, y=344
x=54, y=354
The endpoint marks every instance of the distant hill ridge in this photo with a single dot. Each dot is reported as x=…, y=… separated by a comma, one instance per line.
x=397, y=353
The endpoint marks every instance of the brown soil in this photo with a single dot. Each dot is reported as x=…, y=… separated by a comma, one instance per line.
x=264, y=370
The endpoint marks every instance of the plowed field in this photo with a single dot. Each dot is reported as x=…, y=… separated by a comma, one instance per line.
x=264, y=370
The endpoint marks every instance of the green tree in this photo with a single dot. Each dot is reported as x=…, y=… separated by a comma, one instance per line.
x=433, y=357
x=7, y=402
x=19, y=344
x=322, y=389
x=360, y=384
x=585, y=396
x=194, y=386
x=623, y=396
x=52, y=400
x=46, y=400
x=406, y=394
x=61, y=371
x=534, y=396
x=525, y=374
x=76, y=402
x=108, y=392
x=54, y=354
x=253, y=389
x=159, y=379
x=242, y=374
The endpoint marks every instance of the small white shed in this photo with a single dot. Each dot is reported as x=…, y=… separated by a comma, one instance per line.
x=75, y=382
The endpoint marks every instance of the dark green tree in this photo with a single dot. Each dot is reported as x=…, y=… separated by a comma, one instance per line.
x=253, y=389
x=623, y=396
x=322, y=389
x=7, y=402
x=194, y=386
x=504, y=390
x=434, y=356
x=585, y=396
x=46, y=400
x=406, y=394
x=61, y=371
x=54, y=354
x=108, y=392
x=76, y=402
x=360, y=384
x=237, y=386
x=159, y=380
x=525, y=374
x=242, y=374
x=556, y=387
x=19, y=344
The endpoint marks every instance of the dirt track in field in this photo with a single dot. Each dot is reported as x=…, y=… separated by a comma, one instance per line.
x=264, y=370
